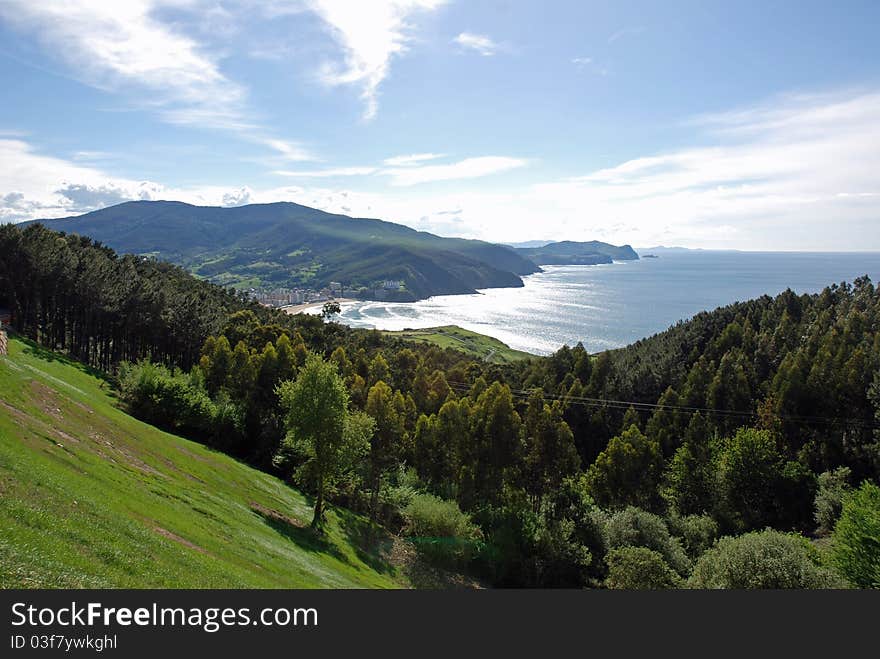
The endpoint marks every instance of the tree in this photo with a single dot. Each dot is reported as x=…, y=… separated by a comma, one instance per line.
x=627, y=472
x=690, y=487
x=386, y=442
x=320, y=428
x=833, y=488
x=856, y=549
x=330, y=309
x=494, y=453
x=550, y=454
x=749, y=475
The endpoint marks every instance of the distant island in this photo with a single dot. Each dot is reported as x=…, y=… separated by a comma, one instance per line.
x=288, y=254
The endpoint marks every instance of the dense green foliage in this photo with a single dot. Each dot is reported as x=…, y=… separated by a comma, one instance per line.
x=440, y=529
x=286, y=244
x=857, y=537
x=722, y=425
x=762, y=559
x=76, y=296
x=833, y=487
x=639, y=568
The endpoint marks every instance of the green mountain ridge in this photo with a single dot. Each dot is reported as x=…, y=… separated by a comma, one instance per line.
x=289, y=245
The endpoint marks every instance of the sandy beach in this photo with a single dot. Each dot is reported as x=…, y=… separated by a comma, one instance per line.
x=301, y=308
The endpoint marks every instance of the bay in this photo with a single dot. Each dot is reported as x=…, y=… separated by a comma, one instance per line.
x=609, y=306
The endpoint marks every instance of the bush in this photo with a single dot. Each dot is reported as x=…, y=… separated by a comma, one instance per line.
x=762, y=559
x=439, y=529
x=696, y=532
x=633, y=527
x=639, y=568
x=169, y=399
x=179, y=402
x=833, y=488
x=856, y=548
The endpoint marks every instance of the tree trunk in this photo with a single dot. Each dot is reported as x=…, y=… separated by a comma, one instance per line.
x=318, y=519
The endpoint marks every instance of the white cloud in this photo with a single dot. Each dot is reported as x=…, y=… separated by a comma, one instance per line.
x=124, y=47
x=477, y=42
x=409, y=172
x=288, y=150
x=627, y=31
x=590, y=64
x=111, y=44
x=463, y=169
x=238, y=197
x=328, y=173
x=411, y=159
x=371, y=34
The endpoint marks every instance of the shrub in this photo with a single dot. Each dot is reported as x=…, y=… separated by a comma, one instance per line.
x=639, y=568
x=856, y=548
x=633, y=527
x=439, y=528
x=762, y=559
x=169, y=399
x=696, y=532
x=833, y=487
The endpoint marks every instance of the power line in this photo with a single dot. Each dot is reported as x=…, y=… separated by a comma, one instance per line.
x=523, y=394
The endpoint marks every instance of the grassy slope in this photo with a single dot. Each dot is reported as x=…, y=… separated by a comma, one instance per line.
x=91, y=497
x=471, y=343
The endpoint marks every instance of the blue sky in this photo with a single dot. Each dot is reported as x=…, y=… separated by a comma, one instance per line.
x=751, y=125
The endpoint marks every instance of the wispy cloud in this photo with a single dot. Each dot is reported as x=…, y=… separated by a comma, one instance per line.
x=627, y=31
x=112, y=44
x=480, y=43
x=123, y=47
x=590, y=64
x=463, y=169
x=328, y=173
x=371, y=34
x=411, y=159
x=796, y=172
x=772, y=175
x=408, y=171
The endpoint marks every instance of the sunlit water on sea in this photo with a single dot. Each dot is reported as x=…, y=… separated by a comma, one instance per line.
x=608, y=306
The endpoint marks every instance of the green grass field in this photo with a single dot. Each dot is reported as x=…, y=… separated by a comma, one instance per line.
x=91, y=497
x=471, y=343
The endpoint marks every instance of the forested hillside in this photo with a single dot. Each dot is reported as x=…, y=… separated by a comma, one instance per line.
x=736, y=449
x=286, y=244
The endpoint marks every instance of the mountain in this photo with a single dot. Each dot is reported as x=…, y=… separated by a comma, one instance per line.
x=569, y=252
x=289, y=245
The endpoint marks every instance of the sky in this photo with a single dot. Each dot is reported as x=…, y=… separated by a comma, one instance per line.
x=746, y=125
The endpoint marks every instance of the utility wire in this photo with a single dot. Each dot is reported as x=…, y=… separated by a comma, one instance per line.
x=521, y=394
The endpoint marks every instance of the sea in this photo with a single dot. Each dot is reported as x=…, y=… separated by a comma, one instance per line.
x=613, y=305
